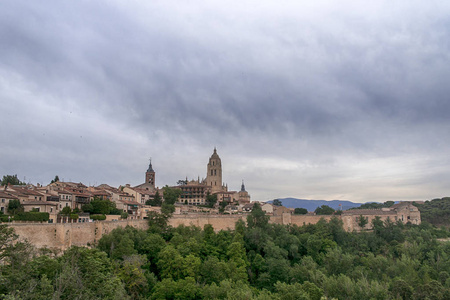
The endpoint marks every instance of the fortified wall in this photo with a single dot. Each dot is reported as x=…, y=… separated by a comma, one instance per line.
x=61, y=236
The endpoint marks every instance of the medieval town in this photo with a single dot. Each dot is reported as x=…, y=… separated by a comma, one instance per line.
x=135, y=202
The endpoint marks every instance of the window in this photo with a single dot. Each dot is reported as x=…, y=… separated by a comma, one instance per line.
x=3, y=200
x=215, y=172
x=211, y=172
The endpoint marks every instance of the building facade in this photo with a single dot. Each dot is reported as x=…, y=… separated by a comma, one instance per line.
x=403, y=212
x=194, y=192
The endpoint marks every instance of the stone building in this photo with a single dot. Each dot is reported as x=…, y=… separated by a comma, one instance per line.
x=214, y=173
x=404, y=212
x=194, y=192
x=4, y=201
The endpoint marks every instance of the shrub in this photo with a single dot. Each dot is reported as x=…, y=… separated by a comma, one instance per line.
x=98, y=217
x=4, y=218
x=32, y=216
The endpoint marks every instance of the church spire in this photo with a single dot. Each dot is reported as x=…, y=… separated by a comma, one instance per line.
x=150, y=174
x=242, y=186
x=150, y=167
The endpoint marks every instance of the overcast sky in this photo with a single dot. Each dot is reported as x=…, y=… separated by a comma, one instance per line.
x=310, y=99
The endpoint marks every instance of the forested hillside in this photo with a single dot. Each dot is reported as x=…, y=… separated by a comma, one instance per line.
x=436, y=212
x=256, y=261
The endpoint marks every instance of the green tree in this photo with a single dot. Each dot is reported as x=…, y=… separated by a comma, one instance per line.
x=324, y=210
x=74, y=217
x=7, y=240
x=171, y=195
x=87, y=274
x=362, y=221
x=277, y=202
x=132, y=274
x=14, y=207
x=257, y=217
x=170, y=263
x=211, y=200
x=158, y=222
x=56, y=179
x=222, y=206
x=181, y=289
x=11, y=179
x=87, y=208
x=291, y=291
x=156, y=201
x=300, y=211
x=100, y=206
x=182, y=182
x=66, y=211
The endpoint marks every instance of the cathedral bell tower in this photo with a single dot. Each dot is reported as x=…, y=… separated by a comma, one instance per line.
x=214, y=173
x=150, y=175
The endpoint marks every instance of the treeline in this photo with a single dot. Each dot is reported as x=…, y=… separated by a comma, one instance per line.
x=436, y=211
x=257, y=260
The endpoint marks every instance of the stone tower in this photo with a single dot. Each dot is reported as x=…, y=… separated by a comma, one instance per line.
x=150, y=175
x=214, y=173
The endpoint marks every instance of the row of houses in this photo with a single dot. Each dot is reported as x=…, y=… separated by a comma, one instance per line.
x=55, y=196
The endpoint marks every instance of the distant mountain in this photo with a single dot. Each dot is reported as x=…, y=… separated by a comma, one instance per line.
x=311, y=205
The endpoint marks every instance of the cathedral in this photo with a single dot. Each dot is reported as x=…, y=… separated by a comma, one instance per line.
x=194, y=192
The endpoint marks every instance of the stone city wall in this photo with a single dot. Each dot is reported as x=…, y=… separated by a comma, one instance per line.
x=218, y=222
x=61, y=236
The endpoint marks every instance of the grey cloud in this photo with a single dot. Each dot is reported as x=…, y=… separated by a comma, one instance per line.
x=301, y=82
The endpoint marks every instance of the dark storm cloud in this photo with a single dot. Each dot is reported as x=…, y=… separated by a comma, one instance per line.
x=297, y=87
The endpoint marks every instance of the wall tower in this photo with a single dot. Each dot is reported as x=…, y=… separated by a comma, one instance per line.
x=214, y=173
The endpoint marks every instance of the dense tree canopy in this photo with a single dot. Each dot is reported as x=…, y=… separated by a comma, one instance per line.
x=436, y=212
x=14, y=207
x=277, y=202
x=100, y=206
x=300, y=211
x=257, y=260
x=56, y=179
x=11, y=179
x=324, y=210
x=155, y=201
x=171, y=195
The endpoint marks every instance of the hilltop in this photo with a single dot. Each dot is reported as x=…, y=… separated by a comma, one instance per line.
x=311, y=205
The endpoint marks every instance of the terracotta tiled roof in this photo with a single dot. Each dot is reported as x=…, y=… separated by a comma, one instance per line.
x=357, y=212
x=400, y=205
x=144, y=191
x=5, y=195
x=130, y=202
x=39, y=203
x=27, y=192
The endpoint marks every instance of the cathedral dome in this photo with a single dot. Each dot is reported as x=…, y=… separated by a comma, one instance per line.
x=215, y=155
